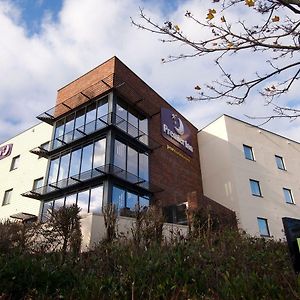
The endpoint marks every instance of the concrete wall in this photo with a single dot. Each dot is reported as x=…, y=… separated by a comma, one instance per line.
x=30, y=168
x=226, y=173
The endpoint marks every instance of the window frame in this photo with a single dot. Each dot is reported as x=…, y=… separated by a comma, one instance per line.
x=259, y=188
x=34, y=185
x=280, y=163
x=290, y=194
x=7, y=197
x=251, y=151
x=266, y=224
x=13, y=163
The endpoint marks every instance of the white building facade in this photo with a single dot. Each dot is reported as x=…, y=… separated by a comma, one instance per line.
x=252, y=171
x=21, y=171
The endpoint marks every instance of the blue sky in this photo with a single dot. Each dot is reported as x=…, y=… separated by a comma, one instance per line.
x=47, y=43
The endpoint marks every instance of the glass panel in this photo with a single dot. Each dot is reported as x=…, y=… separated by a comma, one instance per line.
x=75, y=162
x=47, y=210
x=7, y=197
x=120, y=155
x=255, y=188
x=59, y=131
x=263, y=227
x=143, y=129
x=118, y=197
x=131, y=201
x=102, y=112
x=248, y=152
x=144, y=166
x=99, y=153
x=121, y=118
x=83, y=201
x=90, y=118
x=69, y=129
x=87, y=157
x=133, y=125
x=59, y=203
x=143, y=202
x=64, y=167
x=15, y=163
x=96, y=200
x=288, y=196
x=79, y=123
x=70, y=200
x=132, y=161
x=53, y=170
x=37, y=183
x=279, y=162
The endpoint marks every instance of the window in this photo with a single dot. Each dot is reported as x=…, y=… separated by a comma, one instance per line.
x=7, y=197
x=279, y=162
x=248, y=152
x=37, y=183
x=263, y=227
x=15, y=163
x=288, y=196
x=255, y=188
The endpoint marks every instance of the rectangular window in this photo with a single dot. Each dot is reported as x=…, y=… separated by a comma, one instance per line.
x=37, y=183
x=15, y=163
x=7, y=197
x=255, y=188
x=279, y=162
x=288, y=196
x=248, y=152
x=263, y=227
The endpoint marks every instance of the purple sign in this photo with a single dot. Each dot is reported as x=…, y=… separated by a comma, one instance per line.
x=5, y=150
x=176, y=131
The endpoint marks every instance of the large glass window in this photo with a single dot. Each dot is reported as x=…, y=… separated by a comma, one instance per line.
x=102, y=113
x=131, y=201
x=90, y=120
x=120, y=155
x=96, y=199
x=87, y=158
x=37, y=183
x=75, y=162
x=99, y=153
x=132, y=161
x=53, y=170
x=79, y=123
x=118, y=197
x=255, y=188
x=64, y=167
x=69, y=129
x=144, y=166
x=263, y=227
x=83, y=201
x=58, y=133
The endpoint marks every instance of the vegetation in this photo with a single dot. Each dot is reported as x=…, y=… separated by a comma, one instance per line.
x=208, y=264
x=231, y=33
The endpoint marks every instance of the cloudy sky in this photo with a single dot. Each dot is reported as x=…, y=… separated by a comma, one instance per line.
x=47, y=43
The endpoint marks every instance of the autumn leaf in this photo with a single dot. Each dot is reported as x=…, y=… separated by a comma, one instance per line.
x=210, y=14
x=275, y=19
x=176, y=27
x=215, y=44
x=250, y=2
x=223, y=19
x=197, y=87
x=230, y=45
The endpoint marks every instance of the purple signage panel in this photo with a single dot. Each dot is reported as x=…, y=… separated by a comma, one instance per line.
x=176, y=131
x=5, y=150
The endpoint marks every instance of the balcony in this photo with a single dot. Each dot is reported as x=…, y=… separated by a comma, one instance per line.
x=69, y=184
x=94, y=127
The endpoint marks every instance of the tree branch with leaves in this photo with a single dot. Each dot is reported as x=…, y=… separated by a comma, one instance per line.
x=274, y=34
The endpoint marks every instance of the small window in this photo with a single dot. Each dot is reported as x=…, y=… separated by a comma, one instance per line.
x=15, y=163
x=37, y=183
x=288, y=196
x=248, y=152
x=255, y=188
x=279, y=162
x=263, y=227
x=7, y=197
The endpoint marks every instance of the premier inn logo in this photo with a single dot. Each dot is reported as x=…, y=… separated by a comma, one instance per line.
x=176, y=131
x=5, y=151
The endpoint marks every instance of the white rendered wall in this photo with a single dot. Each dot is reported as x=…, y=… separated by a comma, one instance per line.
x=226, y=173
x=30, y=168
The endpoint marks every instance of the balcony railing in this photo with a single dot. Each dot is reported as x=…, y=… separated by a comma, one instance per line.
x=51, y=189
x=93, y=127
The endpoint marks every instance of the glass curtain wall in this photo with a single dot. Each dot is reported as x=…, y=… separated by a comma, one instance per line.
x=77, y=161
x=131, y=160
x=84, y=121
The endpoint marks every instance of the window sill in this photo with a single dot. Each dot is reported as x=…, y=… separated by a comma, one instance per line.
x=290, y=203
x=260, y=196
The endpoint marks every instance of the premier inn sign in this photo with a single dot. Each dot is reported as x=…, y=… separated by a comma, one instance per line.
x=176, y=131
x=5, y=150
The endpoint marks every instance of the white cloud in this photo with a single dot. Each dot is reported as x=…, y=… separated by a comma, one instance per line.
x=89, y=32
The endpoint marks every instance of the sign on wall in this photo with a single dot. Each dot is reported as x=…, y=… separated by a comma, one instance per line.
x=176, y=131
x=5, y=150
